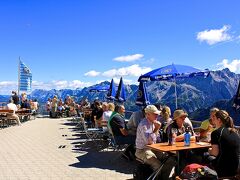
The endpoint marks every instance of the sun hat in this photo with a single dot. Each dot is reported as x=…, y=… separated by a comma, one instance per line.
x=179, y=113
x=152, y=109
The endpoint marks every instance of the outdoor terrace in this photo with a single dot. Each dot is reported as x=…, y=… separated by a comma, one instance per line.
x=47, y=148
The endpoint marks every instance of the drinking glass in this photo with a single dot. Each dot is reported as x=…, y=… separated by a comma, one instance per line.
x=174, y=135
x=208, y=136
x=197, y=136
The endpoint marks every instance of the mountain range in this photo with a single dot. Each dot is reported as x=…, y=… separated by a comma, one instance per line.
x=196, y=95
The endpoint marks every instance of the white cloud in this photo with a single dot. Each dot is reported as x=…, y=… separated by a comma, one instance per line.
x=110, y=73
x=134, y=70
x=125, y=81
x=6, y=87
x=60, y=85
x=215, y=35
x=79, y=84
x=129, y=58
x=8, y=83
x=92, y=73
x=233, y=66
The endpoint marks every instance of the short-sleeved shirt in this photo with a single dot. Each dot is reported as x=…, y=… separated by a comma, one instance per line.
x=12, y=106
x=117, y=122
x=144, y=133
x=205, y=124
x=179, y=130
x=106, y=115
x=228, y=158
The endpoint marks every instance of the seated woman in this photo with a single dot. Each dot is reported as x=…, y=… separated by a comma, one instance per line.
x=225, y=145
x=164, y=119
x=180, y=124
x=207, y=126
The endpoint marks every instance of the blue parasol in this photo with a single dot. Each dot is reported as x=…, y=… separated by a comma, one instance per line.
x=142, y=96
x=120, y=94
x=111, y=91
x=172, y=72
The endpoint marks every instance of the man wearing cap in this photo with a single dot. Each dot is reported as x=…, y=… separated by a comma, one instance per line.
x=147, y=132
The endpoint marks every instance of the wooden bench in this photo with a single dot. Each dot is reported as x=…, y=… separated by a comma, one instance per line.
x=3, y=117
x=24, y=113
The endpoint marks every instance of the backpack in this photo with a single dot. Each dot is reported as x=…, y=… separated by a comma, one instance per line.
x=197, y=171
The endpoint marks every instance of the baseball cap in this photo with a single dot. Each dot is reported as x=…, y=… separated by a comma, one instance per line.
x=152, y=109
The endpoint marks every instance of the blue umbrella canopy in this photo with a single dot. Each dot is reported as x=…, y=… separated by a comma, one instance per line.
x=120, y=94
x=236, y=101
x=172, y=72
x=99, y=88
x=142, y=96
x=111, y=91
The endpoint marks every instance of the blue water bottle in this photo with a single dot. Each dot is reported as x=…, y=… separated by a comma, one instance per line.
x=187, y=137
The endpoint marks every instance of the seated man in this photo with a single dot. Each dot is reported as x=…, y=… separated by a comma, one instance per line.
x=147, y=134
x=134, y=120
x=119, y=131
x=207, y=126
x=12, y=106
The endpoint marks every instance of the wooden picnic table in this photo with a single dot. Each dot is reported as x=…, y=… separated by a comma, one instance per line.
x=178, y=146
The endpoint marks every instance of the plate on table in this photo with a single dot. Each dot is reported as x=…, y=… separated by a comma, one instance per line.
x=202, y=143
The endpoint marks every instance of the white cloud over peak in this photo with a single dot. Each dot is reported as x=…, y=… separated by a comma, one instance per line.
x=92, y=73
x=133, y=70
x=60, y=84
x=128, y=58
x=79, y=84
x=233, y=66
x=125, y=81
x=8, y=83
x=6, y=87
x=214, y=36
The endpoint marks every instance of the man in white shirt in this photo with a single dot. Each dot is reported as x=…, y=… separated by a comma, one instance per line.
x=147, y=134
x=12, y=106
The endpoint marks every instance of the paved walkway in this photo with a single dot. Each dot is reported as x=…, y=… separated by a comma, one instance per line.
x=50, y=149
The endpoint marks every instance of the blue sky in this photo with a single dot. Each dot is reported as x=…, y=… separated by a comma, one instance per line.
x=77, y=43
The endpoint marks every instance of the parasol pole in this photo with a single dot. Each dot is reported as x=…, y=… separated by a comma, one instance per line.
x=175, y=92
